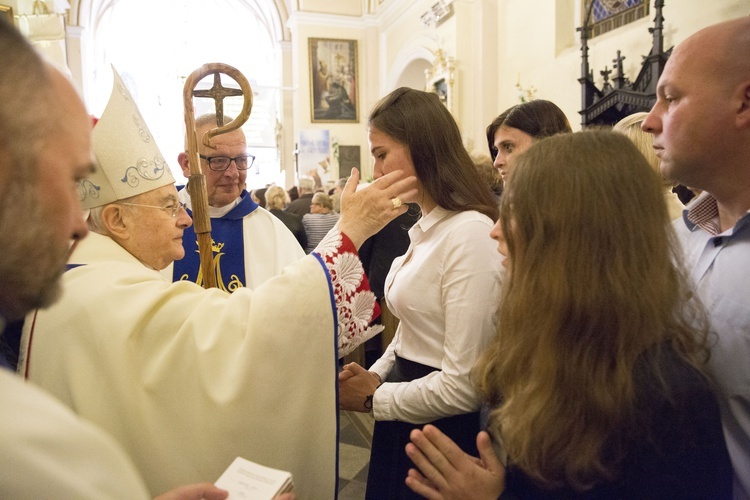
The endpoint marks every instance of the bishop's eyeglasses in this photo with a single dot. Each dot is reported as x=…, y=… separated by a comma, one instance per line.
x=221, y=163
x=172, y=210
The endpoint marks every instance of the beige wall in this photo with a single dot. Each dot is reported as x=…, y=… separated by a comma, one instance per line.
x=305, y=27
x=340, y=7
x=468, y=36
x=497, y=43
x=494, y=43
x=548, y=56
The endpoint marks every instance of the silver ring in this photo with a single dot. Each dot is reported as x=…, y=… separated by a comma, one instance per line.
x=396, y=202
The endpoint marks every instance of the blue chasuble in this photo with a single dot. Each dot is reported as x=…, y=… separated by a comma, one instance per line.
x=227, y=246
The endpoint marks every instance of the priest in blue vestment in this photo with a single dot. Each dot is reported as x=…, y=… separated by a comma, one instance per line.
x=249, y=245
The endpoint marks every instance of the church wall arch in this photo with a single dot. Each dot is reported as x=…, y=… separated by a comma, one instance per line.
x=89, y=66
x=274, y=12
x=404, y=71
x=413, y=74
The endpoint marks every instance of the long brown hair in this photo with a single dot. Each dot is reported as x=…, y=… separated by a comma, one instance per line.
x=591, y=286
x=422, y=123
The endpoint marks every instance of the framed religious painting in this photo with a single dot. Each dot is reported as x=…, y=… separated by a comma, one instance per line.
x=6, y=11
x=333, y=80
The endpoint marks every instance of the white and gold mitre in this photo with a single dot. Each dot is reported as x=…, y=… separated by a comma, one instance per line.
x=128, y=160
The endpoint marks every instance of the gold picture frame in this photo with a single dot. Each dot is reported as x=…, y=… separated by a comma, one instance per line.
x=334, y=80
x=7, y=12
x=441, y=79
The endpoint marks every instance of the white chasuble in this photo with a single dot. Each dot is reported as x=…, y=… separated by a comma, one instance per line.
x=187, y=379
x=48, y=452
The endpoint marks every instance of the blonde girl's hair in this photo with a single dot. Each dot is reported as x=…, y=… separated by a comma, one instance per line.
x=630, y=126
x=591, y=286
x=276, y=198
x=324, y=200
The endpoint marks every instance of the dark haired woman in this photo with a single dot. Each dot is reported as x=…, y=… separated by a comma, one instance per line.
x=518, y=127
x=443, y=290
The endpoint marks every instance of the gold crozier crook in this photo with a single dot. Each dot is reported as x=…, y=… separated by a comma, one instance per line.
x=197, y=180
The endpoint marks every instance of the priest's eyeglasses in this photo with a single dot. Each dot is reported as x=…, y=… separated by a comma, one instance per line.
x=221, y=163
x=172, y=210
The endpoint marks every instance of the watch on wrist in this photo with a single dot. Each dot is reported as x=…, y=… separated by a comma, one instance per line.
x=368, y=399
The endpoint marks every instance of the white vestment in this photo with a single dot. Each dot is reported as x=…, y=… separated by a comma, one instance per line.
x=187, y=379
x=48, y=452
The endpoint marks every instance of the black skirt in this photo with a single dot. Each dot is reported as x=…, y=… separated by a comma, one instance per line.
x=389, y=464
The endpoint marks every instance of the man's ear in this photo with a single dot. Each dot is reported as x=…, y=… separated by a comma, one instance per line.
x=743, y=113
x=182, y=159
x=112, y=218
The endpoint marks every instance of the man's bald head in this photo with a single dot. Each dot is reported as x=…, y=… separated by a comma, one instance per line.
x=722, y=51
x=701, y=119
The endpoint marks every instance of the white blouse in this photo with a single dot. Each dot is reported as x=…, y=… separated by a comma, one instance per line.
x=445, y=290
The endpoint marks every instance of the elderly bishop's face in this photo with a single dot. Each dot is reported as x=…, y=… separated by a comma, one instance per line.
x=154, y=236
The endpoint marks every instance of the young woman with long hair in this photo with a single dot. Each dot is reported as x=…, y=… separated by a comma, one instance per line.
x=595, y=378
x=441, y=290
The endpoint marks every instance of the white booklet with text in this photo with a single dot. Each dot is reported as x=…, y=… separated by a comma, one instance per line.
x=246, y=480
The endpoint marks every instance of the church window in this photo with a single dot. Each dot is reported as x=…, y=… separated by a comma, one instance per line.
x=156, y=45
